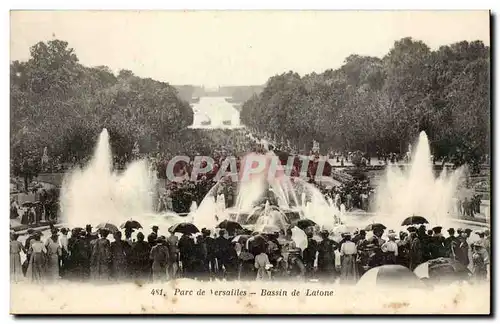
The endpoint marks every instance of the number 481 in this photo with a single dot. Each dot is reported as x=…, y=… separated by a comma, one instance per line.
x=157, y=292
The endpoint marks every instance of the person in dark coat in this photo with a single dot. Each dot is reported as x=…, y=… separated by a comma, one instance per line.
x=225, y=255
x=186, y=250
x=415, y=249
x=159, y=255
x=208, y=248
x=462, y=251
x=376, y=256
x=139, y=258
x=89, y=239
x=27, y=246
x=120, y=252
x=423, y=238
x=326, y=257
x=153, y=235
x=436, y=244
x=403, y=249
x=101, y=257
x=80, y=252
x=450, y=244
x=363, y=254
x=309, y=254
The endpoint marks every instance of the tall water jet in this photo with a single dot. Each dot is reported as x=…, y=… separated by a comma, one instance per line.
x=96, y=194
x=415, y=190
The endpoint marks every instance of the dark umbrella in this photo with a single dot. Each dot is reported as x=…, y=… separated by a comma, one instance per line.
x=392, y=274
x=110, y=227
x=373, y=226
x=131, y=224
x=442, y=269
x=184, y=228
x=414, y=220
x=304, y=223
x=230, y=226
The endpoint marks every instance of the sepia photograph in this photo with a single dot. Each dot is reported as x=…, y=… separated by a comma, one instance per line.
x=250, y=162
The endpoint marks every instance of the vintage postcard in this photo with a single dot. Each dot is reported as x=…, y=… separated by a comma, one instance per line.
x=259, y=162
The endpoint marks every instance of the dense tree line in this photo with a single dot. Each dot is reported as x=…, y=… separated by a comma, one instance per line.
x=58, y=103
x=381, y=104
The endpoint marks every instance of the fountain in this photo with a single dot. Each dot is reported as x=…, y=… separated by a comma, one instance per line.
x=416, y=191
x=267, y=200
x=97, y=194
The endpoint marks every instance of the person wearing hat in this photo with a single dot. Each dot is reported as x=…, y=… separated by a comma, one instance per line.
x=36, y=268
x=487, y=241
x=101, y=257
x=326, y=256
x=479, y=261
x=63, y=243
x=139, y=258
x=159, y=255
x=462, y=250
x=186, y=253
x=414, y=249
x=349, y=268
x=424, y=238
x=16, y=272
x=403, y=249
x=309, y=254
x=295, y=266
x=436, y=244
x=53, y=255
x=390, y=248
x=120, y=252
x=451, y=243
x=152, y=239
x=27, y=245
x=363, y=252
x=173, y=247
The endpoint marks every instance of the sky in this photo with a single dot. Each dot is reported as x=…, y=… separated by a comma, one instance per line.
x=235, y=47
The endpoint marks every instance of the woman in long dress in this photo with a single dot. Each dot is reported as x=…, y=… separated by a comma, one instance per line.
x=159, y=255
x=36, y=268
x=16, y=271
x=54, y=252
x=101, y=257
x=261, y=264
x=348, y=252
x=120, y=251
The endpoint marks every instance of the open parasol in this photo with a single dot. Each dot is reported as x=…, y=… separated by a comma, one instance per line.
x=304, y=223
x=131, y=224
x=184, y=228
x=110, y=227
x=230, y=226
x=414, y=220
x=373, y=226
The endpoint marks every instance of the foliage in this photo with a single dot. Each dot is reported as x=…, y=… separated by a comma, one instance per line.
x=62, y=105
x=380, y=105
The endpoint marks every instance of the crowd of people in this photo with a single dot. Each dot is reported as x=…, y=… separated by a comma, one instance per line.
x=237, y=254
x=43, y=207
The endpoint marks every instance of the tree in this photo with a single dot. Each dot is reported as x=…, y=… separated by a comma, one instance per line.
x=380, y=105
